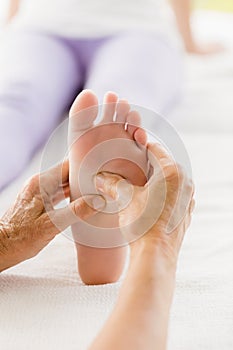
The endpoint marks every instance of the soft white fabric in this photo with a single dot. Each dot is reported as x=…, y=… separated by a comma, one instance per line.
x=43, y=304
x=88, y=18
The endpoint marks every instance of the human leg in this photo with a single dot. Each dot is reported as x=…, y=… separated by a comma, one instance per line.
x=110, y=146
x=143, y=68
x=39, y=77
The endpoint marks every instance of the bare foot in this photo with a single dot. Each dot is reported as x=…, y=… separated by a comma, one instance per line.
x=114, y=145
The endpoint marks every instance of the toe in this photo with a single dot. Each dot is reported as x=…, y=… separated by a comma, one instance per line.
x=122, y=110
x=133, y=122
x=133, y=127
x=109, y=107
x=83, y=111
x=140, y=137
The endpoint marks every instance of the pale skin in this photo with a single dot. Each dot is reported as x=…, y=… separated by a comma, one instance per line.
x=141, y=315
x=32, y=222
x=13, y=9
x=83, y=137
x=92, y=261
x=140, y=318
x=182, y=10
x=88, y=257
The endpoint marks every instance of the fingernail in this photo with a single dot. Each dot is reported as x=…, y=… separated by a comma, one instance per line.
x=98, y=202
x=100, y=181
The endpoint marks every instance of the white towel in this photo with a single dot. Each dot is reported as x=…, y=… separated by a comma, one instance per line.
x=44, y=304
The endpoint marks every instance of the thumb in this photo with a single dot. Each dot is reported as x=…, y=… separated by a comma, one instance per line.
x=80, y=209
x=112, y=185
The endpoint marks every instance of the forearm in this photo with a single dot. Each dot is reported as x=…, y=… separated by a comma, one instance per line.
x=13, y=9
x=12, y=248
x=182, y=10
x=143, y=305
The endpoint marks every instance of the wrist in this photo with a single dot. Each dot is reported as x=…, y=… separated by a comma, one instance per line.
x=149, y=267
x=155, y=247
x=155, y=253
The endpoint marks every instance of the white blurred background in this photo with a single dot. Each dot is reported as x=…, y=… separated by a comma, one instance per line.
x=3, y=9
x=207, y=103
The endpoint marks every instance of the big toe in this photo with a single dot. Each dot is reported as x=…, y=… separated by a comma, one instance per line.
x=83, y=111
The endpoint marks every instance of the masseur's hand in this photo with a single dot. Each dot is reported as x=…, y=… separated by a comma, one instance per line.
x=32, y=222
x=161, y=210
x=158, y=214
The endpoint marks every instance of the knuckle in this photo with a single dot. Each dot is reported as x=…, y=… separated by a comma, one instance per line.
x=80, y=209
x=32, y=184
x=47, y=224
x=171, y=171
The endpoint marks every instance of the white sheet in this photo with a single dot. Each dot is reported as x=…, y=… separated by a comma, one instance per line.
x=43, y=304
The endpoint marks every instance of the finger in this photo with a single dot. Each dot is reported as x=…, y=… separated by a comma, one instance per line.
x=192, y=206
x=58, y=220
x=60, y=172
x=161, y=162
x=180, y=233
x=54, y=178
x=181, y=200
x=156, y=152
x=111, y=184
x=63, y=193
